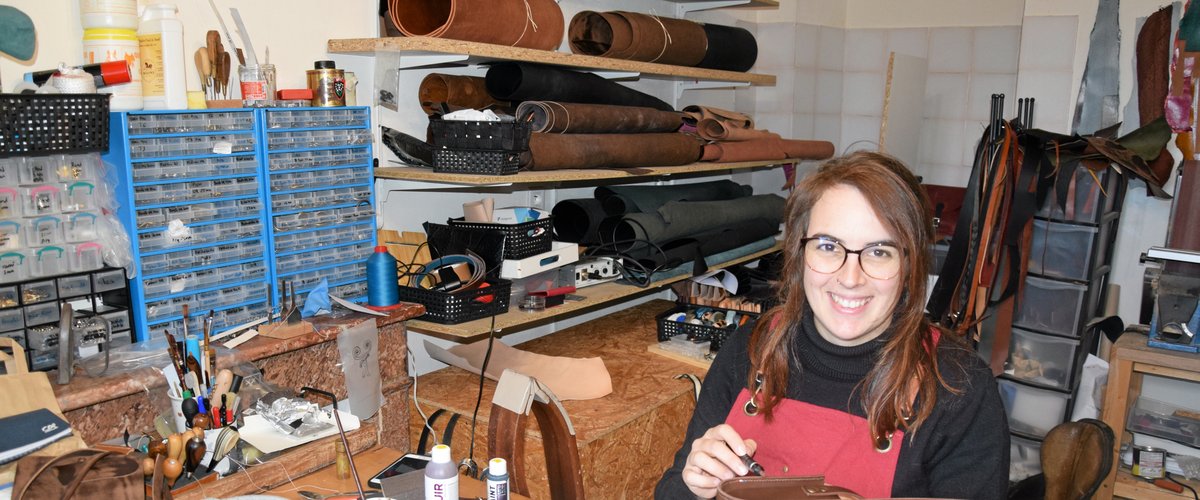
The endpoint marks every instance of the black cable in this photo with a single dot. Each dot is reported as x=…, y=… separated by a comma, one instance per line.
x=473, y=469
x=1176, y=481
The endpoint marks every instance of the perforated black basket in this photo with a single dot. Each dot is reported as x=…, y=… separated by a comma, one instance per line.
x=715, y=336
x=40, y=124
x=454, y=308
x=471, y=147
x=520, y=240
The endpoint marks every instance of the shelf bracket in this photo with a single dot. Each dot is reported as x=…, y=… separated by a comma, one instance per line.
x=421, y=60
x=680, y=87
x=618, y=75
x=682, y=8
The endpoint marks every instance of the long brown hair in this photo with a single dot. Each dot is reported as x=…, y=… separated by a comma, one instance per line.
x=908, y=360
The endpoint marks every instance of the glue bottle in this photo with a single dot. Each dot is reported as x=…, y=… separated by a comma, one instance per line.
x=160, y=42
x=441, y=476
x=497, y=479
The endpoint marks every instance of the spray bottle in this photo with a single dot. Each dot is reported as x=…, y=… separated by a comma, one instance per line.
x=441, y=476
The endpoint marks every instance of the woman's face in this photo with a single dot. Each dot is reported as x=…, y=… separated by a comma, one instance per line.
x=851, y=307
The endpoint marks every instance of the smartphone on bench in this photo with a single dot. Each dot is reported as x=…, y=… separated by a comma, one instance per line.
x=407, y=463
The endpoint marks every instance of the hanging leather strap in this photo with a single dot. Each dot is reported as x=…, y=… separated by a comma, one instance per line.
x=74, y=484
x=447, y=434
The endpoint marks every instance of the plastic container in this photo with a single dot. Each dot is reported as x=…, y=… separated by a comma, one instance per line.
x=80, y=123
x=117, y=44
x=160, y=40
x=1166, y=421
x=121, y=14
x=1041, y=359
x=258, y=85
x=1061, y=250
x=1030, y=410
x=441, y=475
x=1051, y=306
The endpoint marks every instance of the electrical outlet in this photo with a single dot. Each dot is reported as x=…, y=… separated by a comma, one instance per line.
x=537, y=199
x=595, y=271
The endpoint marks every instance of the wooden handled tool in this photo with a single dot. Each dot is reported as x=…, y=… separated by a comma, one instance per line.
x=203, y=69
x=195, y=453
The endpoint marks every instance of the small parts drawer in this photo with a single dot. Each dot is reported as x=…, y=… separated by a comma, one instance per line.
x=180, y=123
x=165, y=147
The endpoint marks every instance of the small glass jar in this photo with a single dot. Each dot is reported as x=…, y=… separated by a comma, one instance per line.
x=258, y=85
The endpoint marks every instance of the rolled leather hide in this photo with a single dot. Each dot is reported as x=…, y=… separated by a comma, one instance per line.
x=578, y=221
x=636, y=36
x=563, y=151
x=717, y=130
x=711, y=242
x=729, y=48
x=574, y=118
x=519, y=81
x=772, y=148
x=694, y=113
x=533, y=24
x=619, y=200
x=456, y=92
x=678, y=219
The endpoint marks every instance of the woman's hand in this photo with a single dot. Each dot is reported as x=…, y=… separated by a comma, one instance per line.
x=715, y=457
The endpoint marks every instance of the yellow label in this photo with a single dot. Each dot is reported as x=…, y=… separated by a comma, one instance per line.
x=153, y=83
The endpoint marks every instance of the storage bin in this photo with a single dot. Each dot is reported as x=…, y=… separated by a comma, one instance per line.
x=1041, y=359
x=51, y=261
x=77, y=167
x=560, y=254
x=44, y=230
x=1061, y=250
x=13, y=267
x=108, y=280
x=17, y=336
x=43, y=360
x=69, y=123
x=10, y=235
x=10, y=202
x=1091, y=200
x=38, y=291
x=41, y=200
x=546, y=280
x=520, y=240
x=1166, y=421
x=1051, y=306
x=1031, y=410
x=74, y=286
x=1024, y=458
x=9, y=296
x=39, y=314
x=118, y=320
x=12, y=319
x=80, y=227
x=454, y=308
x=715, y=335
x=9, y=170
x=43, y=337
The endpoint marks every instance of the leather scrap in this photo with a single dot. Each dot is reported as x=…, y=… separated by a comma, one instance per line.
x=456, y=92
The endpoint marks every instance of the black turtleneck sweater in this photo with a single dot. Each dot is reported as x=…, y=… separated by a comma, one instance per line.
x=961, y=451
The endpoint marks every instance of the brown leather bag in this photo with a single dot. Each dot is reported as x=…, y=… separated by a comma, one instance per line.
x=781, y=488
x=87, y=473
x=1076, y=457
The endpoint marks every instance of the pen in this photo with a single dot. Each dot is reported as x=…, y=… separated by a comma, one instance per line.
x=754, y=467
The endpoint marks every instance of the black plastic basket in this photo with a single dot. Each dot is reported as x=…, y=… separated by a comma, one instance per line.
x=454, y=308
x=40, y=124
x=470, y=147
x=520, y=240
x=699, y=333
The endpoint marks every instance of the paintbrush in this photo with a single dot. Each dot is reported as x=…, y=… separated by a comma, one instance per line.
x=174, y=353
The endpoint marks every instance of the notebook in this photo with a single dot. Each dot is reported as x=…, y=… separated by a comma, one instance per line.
x=28, y=432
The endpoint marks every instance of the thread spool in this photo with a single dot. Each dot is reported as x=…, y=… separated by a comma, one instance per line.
x=383, y=289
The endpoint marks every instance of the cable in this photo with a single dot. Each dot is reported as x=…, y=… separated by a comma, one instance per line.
x=472, y=467
x=416, y=403
x=1176, y=481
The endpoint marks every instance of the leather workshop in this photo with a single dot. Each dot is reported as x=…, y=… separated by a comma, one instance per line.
x=568, y=249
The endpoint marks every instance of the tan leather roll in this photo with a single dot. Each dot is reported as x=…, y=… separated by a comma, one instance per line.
x=457, y=92
x=563, y=151
x=767, y=149
x=573, y=118
x=534, y=24
x=636, y=36
x=719, y=130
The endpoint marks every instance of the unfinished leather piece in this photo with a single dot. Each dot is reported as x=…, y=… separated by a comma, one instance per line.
x=620, y=200
x=456, y=92
x=569, y=378
x=772, y=148
x=532, y=24
x=694, y=113
x=636, y=36
x=781, y=488
x=1076, y=457
x=729, y=48
x=717, y=130
x=575, y=118
x=519, y=81
x=563, y=151
x=1153, y=64
x=678, y=219
x=1183, y=234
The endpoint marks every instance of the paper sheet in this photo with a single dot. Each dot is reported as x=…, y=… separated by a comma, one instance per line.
x=359, y=350
x=260, y=433
x=719, y=278
x=568, y=378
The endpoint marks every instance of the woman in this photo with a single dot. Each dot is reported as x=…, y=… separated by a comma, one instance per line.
x=846, y=378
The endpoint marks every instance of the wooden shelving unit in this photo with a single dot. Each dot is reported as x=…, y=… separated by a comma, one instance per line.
x=594, y=296
x=573, y=175
x=478, y=53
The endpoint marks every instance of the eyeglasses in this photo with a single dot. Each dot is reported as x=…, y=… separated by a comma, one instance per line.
x=826, y=256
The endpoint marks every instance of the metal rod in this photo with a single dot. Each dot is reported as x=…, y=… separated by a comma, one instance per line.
x=342, y=433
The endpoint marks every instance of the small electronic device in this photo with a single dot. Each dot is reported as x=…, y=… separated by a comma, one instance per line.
x=408, y=463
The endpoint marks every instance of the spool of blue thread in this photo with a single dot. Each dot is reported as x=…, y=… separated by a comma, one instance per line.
x=383, y=289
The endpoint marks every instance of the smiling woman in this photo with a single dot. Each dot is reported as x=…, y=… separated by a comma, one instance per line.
x=834, y=380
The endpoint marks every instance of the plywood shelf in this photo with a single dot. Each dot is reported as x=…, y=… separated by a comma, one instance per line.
x=478, y=53
x=570, y=175
x=594, y=296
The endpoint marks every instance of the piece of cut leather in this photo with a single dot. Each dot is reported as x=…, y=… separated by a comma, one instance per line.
x=533, y=24
x=455, y=92
x=729, y=48
x=568, y=378
x=620, y=200
x=520, y=81
x=694, y=113
x=718, y=130
x=576, y=118
x=1183, y=234
x=772, y=148
x=1076, y=457
x=781, y=488
x=563, y=151
x=1153, y=55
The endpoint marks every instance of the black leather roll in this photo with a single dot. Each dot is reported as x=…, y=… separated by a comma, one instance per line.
x=681, y=219
x=518, y=81
x=729, y=48
x=578, y=221
x=711, y=242
x=620, y=200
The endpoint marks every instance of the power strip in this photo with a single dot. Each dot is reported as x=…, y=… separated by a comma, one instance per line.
x=596, y=270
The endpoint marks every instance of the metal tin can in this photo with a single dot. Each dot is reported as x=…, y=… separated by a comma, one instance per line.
x=328, y=85
x=1149, y=462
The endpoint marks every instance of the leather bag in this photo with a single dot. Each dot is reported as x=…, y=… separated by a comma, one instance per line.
x=781, y=488
x=87, y=473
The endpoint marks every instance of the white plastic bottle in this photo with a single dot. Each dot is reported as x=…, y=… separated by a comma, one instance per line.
x=441, y=475
x=497, y=479
x=160, y=39
x=111, y=44
x=108, y=14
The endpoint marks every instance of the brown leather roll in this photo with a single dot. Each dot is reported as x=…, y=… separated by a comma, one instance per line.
x=563, y=151
x=534, y=24
x=457, y=92
x=694, y=113
x=566, y=117
x=636, y=36
x=720, y=130
x=772, y=148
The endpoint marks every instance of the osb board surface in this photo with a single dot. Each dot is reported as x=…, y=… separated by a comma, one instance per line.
x=641, y=381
